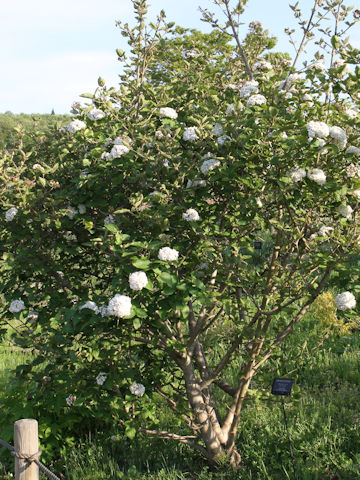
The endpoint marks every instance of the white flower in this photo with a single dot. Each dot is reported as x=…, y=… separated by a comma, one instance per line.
x=81, y=208
x=190, y=54
x=72, y=212
x=353, y=150
x=190, y=134
x=249, y=88
x=324, y=230
x=37, y=166
x=353, y=170
x=168, y=112
x=339, y=136
x=119, y=306
x=345, y=211
x=209, y=165
x=289, y=81
x=317, y=66
x=138, y=280
x=137, y=389
x=10, y=214
x=91, y=306
x=122, y=141
x=317, y=175
x=351, y=113
x=168, y=254
x=339, y=63
x=96, y=114
x=166, y=163
x=70, y=400
x=230, y=110
x=256, y=100
x=224, y=138
x=317, y=129
x=356, y=193
x=16, y=306
x=103, y=310
x=101, y=378
x=118, y=151
x=75, y=126
x=262, y=64
x=159, y=134
x=191, y=215
x=196, y=183
x=297, y=174
x=109, y=219
x=258, y=202
x=218, y=129
x=345, y=301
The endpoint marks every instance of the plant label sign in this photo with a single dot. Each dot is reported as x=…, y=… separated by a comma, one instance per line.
x=282, y=386
x=258, y=245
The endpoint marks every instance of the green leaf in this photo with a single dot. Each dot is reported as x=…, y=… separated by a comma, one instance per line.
x=112, y=228
x=142, y=263
x=130, y=432
x=169, y=279
x=136, y=323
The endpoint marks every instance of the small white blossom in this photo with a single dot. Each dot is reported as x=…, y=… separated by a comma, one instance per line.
x=190, y=134
x=261, y=65
x=223, y=139
x=37, y=166
x=317, y=129
x=75, y=126
x=209, y=165
x=101, y=378
x=10, y=214
x=109, y=219
x=196, y=183
x=159, y=134
x=118, y=151
x=356, y=193
x=96, y=114
x=70, y=400
x=119, y=306
x=353, y=170
x=317, y=66
x=345, y=211
x=122, y=141
x=91, y=306
x=103, y=310
x=168, y=112
x=317, y=175
x=249, y=88
x=258, y=202
x=218, y=129
x=324, y=231
x=16, y=306
x=168, y=254
x=256, y=100
x=353, y=150
x=191, y=215
x=230, y=110
x=297, y=174
x=137, y=389
x=351, y=113
x=72, y=211
x=339, y=136
x=138, y=280
x=190, y=54
x=81, y=208
x=345, y=301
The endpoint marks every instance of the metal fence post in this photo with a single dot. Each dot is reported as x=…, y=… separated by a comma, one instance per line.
x=26, y=445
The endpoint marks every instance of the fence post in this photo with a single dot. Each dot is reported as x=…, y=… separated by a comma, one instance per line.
x=26, y=442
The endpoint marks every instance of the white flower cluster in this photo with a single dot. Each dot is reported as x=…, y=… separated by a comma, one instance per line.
x=288, y=83
x=345, y=211
x=317, y=175
x=109, y=219
x=96, y=114
x=317, y=129
x=261, y=65
x=190, y=54
x=340, y=63
x=168, y=254
x=91, y=306
x=223, y=139
x=118, y=151
x=345, y=301
x=339, y=136
x=353, y=170
x=72, y=211
x=70, y=400
x=138, y=280
x=317, y=66
x=137, y=389
x=209, y=165
x=256, y=100
x=82, y=208
x=356, y=193
x=351, y=113
x=101, y=378
x=297, y=174
x=10, y=214
x=218, y=129
x=168, y=112
x=248, y=88
x=353, y=150
x=16, y=306
x=37, y=166
x=196, y=183
x=119, y=306
x=75, y=126
x=190, y=134
x=323, y=232
x=230, y=110
x=191, y=215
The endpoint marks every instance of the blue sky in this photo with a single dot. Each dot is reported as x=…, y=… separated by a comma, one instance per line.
x=53, y=51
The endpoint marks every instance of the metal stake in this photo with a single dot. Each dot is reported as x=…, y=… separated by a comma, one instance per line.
x=288, y=435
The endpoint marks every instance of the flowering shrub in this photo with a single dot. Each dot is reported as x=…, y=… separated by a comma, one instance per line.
x=121, y=206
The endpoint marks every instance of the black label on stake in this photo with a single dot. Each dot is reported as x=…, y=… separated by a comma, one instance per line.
x=282, y=386
x=258, y=245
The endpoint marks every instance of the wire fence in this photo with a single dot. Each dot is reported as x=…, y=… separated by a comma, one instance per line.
x=30, y=458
